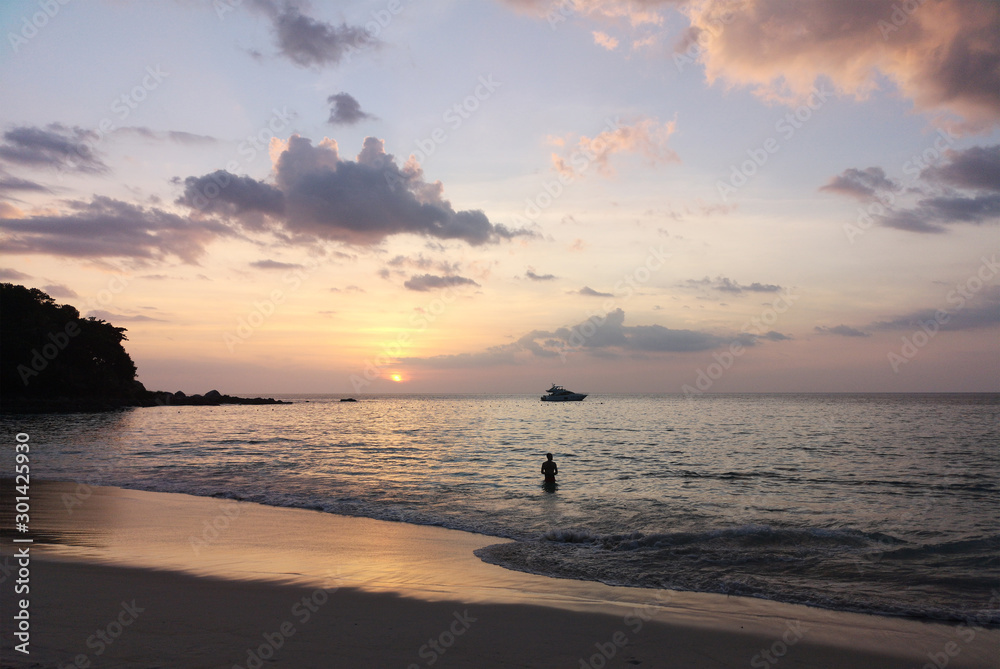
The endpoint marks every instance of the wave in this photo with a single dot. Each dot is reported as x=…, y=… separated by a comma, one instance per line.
x=990, y=546
x=843, y=569
x=923, y=486
x=742, y=536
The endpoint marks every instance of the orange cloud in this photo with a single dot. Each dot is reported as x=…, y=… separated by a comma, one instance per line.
x=942, y=54
x=605, y=41
x=7, y=210
x=646, y=136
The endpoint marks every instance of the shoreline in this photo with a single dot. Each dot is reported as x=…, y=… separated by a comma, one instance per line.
x=394, y=585
x=956, y=619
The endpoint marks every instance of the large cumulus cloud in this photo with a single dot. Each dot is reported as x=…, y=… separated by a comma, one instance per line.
x=230, y=195
x=319, y=194
x=944, y=54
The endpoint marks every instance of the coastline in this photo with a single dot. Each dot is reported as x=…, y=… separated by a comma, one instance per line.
x=141, y=399
x=214, y=577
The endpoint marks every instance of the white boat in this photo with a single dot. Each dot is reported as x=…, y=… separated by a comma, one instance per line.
x=560, y=394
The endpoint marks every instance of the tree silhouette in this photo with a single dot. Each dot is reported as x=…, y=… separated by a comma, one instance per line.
x=47, y=351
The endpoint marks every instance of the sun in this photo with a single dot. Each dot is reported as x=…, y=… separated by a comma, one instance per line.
x=397, y=378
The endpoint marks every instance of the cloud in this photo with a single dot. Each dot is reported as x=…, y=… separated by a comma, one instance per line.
x=984, y=312
x=646, y=136
x=422, y=263
x=232, y=196
x=774, y=335
x=757, y=287
x=59, y=290
x=660, y=339
x=635, y=12
x=345, y=110
x=426, y=282
x=10, y=183
x=964, y=189
x=598, y=336
x=729, y=286
x=182, y=137
x=274, y=264
x=590, y=292
x=108, y=228
x=605, y=41
x=974, y=168
x=122, y=318
x=318, y=194
x=54, y=146
x=931, y=214
x=944, y=54
x=538, y=277
x=306, y=41
x=13, y=275
x=726, y=285
x=974, y=316
x=842, y=330
x=177, y=136
x=7, y=210
x=506, y=354
x=861, y=184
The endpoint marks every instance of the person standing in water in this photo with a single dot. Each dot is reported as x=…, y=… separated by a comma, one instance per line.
x=550, y=469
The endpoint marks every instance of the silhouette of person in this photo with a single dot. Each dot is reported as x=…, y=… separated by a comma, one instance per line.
x=550, y=469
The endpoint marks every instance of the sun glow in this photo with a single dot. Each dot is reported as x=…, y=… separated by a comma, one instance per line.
x=397, y=378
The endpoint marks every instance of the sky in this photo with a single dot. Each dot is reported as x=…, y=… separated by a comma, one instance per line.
x=675, y=196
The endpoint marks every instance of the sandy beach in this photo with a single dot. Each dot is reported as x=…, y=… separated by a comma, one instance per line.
x=122, y=578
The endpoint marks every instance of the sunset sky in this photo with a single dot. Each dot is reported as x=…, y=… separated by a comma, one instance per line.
x=491, y=196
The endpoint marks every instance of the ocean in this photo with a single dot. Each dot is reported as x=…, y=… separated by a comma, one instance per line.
x=874, y=503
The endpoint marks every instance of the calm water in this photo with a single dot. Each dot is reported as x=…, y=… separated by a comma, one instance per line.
x=877, y=503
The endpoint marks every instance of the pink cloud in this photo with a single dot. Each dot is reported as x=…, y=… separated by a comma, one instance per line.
x=605, y=41
x=942, y=54
x=647, y=137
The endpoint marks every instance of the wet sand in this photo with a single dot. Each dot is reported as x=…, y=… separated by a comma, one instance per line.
x=123, y=578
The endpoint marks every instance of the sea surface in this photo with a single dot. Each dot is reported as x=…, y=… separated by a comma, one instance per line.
x=872, y=503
